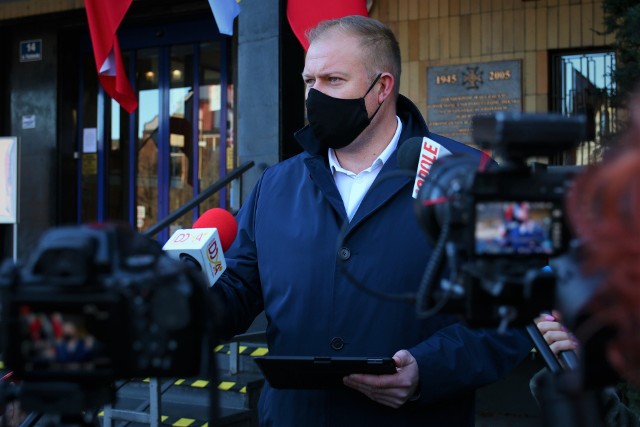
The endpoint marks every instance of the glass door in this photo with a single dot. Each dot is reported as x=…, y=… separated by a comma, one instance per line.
x=147, y=164
x=148, y=139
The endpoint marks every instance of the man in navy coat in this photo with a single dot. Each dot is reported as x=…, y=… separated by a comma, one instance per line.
x=285, y=259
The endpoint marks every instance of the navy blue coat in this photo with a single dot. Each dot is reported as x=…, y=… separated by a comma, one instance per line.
x=284, y=262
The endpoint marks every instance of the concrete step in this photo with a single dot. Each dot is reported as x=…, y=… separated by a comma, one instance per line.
x=185, y=401
x=173, y=415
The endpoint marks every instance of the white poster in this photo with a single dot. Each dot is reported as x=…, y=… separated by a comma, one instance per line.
x=89, y=140
x=8, y=180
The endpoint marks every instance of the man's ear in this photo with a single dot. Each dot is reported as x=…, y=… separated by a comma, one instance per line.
x=386, y=87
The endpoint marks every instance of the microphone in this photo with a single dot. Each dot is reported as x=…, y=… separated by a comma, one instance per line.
x=222, y=220
x=419, y=154
x=203, y=246
x=409, y=153
x=570, y=359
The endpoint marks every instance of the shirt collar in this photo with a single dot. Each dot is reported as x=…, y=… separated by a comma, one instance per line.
x=334, y=164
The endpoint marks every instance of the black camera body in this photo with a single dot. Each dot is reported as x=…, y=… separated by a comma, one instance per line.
x=99, y=303
x=500, y=224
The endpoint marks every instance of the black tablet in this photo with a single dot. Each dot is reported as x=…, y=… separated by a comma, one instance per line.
x=319, y=372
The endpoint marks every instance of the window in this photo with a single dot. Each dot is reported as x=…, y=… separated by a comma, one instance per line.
x=582, y=83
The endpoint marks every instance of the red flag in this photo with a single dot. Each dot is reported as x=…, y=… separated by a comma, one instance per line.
x=104, y=18
x=306, y=14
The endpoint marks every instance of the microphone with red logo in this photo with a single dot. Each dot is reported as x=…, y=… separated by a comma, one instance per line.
x=419, y=154
x=203, y=246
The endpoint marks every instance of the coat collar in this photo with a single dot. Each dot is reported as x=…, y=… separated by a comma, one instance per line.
x=390, y=181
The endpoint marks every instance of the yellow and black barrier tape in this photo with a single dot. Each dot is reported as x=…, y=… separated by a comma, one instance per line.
x=176, y=421
x=244, y=350
x=202, y=384
x=182, y=422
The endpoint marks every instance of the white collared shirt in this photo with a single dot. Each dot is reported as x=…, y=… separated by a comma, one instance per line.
x=353, y=187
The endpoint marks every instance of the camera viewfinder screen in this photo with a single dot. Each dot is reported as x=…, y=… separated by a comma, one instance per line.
x=55, y=341
x=518, y=228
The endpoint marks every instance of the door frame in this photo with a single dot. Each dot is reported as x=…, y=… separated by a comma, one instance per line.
x=162, y=37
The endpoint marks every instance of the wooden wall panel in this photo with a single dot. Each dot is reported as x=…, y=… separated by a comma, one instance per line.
x=434, y=42
x=433, y=8
x=552, y=28
x=530, y=72
x=413, y=40
x=485, y=33
x=423, y=28
x=519, y=29
x=575, y=26
x=542, y=72
x=413, y=78
x=448, y=32
x=423, y=8
x=530, y=29
x=476, y=35
x=465, y=7
x=497, y=31
x=541, y=29
x=402, y=34
x=393, y=11
x=22, y=9
x=444, y=41
x=587, y=25
x=454, y=8
x=598, y=24
x=414, y=10
x=403, y=10
x=564, y=27
x=443, y=8
x=465, y=36
x=454, y=37
x=508, y=42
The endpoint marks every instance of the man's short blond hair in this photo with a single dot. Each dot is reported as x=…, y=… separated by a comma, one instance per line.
x=382, y=52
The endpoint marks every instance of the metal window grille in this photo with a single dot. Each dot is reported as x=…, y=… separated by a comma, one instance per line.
x=583, y=84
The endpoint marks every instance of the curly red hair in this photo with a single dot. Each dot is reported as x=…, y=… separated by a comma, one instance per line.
x=604, y=210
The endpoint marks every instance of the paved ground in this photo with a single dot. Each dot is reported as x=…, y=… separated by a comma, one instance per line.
x=509, y=403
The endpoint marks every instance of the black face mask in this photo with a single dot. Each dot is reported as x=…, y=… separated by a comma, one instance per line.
x=336, y=122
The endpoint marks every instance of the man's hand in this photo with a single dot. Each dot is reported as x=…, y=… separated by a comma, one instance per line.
x=390, y=390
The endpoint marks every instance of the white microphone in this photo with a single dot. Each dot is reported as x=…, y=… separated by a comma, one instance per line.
x=204, y=244
x=430, y=151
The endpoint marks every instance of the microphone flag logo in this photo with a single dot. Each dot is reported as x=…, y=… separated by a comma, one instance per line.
x=430, y=151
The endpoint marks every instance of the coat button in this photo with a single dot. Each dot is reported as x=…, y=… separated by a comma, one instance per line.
x=344, y=253
x=337, y=343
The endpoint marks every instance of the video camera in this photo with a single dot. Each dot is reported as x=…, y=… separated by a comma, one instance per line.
x=97, y=303
x=498, y=225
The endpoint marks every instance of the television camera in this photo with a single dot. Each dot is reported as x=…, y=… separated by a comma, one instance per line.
x=98, y=303
x=495, y=227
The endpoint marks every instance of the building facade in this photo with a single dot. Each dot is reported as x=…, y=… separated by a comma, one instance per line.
x=210, y=102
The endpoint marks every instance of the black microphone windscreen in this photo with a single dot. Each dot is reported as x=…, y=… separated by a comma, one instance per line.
x=409, y=153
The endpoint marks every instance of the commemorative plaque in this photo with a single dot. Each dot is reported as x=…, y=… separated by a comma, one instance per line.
x=456, y=93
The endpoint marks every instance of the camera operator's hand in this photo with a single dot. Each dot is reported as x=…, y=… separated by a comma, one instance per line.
x=390, y=390
x=13, y=416
x=555, y=334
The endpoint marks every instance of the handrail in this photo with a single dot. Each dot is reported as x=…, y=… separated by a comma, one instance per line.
x=208, y=192
x=249, y=336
